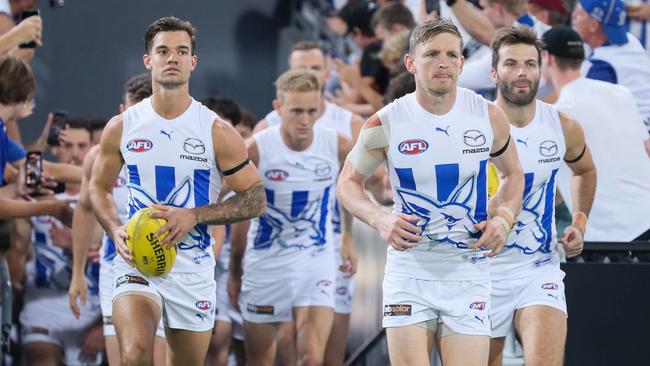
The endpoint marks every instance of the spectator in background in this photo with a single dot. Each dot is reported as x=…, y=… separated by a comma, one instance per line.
x=226, y=108
x=392, y=52
x=638, y=21
x=550, y=12
x=371, y=77
x=614, y=132
x=17, y=88
x=399, y=86
x=50, y=331
x=96, y=127
x=247, y=123
x=617, y=56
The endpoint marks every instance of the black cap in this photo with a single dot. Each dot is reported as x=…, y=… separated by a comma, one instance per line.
x=564, y=42
x=360, y=16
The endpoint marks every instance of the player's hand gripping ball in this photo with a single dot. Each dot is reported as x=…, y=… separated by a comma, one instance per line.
x=149, y=256
x=493, y=179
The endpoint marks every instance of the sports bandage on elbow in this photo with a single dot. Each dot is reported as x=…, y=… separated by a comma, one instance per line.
x=372, y=138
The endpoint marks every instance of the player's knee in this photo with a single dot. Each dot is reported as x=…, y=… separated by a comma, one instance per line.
x=135, y=354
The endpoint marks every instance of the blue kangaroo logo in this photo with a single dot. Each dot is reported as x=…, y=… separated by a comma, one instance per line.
x=299, y=232
x=528, y=234
x=447, y=222
x=178, y=197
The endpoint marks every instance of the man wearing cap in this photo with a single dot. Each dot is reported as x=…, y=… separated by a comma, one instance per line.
x=614, y=132
x=617, y=56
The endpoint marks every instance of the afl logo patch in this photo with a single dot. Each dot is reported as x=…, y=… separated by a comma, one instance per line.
x=478, y=305
x=203, y=305
x=413, y=146
x=277, y=175
x=139, y=145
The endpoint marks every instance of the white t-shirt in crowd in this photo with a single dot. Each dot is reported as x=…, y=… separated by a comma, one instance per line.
x=614, y=132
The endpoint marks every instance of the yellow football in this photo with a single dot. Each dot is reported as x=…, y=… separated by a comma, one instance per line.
x=493, y=179
x=150, y=257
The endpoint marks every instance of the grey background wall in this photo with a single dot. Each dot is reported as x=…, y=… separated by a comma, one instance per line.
x=92, y=47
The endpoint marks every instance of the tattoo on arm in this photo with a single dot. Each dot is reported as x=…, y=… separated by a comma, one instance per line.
x=242, y=206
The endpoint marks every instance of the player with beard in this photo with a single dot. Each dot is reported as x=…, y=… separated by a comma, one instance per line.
x=527, y=285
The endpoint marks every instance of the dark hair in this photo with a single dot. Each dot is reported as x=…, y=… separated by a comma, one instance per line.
x=399, y=86
x=224, y=107
x=509, y=36
x=168, y=24
x=431, y=28
x=564, y=64
x=392, y=14
x=97, y=124
x=138, y=87
x=247, y=118
x=78, y=123
x=17, y=83
x=307, y=46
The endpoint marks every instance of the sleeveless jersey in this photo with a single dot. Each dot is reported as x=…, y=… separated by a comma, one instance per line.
x=340, y=120
x=296, y=225
x=121, y=197
x=438, y=168
x=172, y=162
x=532, y=241
x=50, y=270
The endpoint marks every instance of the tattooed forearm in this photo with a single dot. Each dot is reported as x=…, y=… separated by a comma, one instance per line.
x=242, y=206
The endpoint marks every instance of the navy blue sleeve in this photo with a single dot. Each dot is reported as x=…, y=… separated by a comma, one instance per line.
x=602, y=70
x=14, y=151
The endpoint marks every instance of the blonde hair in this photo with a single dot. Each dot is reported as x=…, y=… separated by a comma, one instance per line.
x=393, y=49
x=298, y=80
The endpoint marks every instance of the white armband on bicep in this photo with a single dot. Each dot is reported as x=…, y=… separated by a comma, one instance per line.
x=369, y=139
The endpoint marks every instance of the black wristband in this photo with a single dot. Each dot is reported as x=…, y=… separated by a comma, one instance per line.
x=237, y=168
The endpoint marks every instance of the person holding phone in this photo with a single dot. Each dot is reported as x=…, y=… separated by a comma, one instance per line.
x=17, y=87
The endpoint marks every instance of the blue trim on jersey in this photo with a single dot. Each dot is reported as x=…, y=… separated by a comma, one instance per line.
x=336, y=218
x=549, y=211
x=264, y=230
x=201, y=187
x=446, y=180
x=134, y=175
x=528, y=183
x=109, y=249
x=405, y=176
x=44, y=270
x=40, y=237
x=480, y=211
x=92, y=278
x=602, y=70
x=165, y=181
x=324, y=208
x=299, y=200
